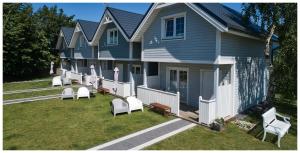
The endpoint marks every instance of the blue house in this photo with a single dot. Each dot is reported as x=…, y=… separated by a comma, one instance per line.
x=195, y=55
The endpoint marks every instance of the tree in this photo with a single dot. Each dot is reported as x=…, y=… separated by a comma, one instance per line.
x=279, y=18
x=29, y=39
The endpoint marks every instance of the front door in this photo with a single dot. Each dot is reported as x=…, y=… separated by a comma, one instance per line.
x=177, y=80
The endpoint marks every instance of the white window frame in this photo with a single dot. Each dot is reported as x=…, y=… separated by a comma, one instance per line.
x=108, y=37
x=134, y=68
x=163, y=26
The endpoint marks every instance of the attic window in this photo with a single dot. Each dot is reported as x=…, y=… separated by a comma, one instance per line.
x=173, y=26
x=112, y=36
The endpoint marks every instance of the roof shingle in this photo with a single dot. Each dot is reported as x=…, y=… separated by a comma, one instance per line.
x=89, y=28
x=68, y=32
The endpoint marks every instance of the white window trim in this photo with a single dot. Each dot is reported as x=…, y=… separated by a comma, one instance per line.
x=163, y=30
x=134, y=66
x=108, y=37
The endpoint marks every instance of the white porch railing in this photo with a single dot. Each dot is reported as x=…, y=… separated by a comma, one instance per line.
x=91, y=80
x=123, y=88
x=75, y=76
x=207, y=112
x=148, y=96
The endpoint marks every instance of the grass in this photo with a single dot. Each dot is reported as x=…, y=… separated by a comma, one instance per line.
x=35, y=93
x=26, y=85
x=69, y=124
x=233, y=138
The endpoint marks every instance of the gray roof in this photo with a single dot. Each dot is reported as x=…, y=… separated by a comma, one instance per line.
x=229, y=18
x=128, y=21
x=89, y=28
x=68, y=32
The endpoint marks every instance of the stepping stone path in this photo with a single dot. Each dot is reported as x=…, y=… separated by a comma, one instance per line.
x=147, y=137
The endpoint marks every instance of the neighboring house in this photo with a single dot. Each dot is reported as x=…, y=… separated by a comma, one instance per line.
x=62, y=45
x=179, y=52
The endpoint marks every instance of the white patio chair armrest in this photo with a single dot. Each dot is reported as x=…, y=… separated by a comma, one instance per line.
x=285, y=118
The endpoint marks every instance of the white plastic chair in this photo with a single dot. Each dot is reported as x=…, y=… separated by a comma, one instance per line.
x=83, y=92
x=56, y=81
x=274, y=126
x=134, y=103
x=66, y=81
x=68, y=93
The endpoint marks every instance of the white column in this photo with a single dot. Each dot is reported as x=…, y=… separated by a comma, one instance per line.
x=145, y=74
x=131, y=80
x=100, y=70
x=76, y=68
x=61, y=64
x=216, y=86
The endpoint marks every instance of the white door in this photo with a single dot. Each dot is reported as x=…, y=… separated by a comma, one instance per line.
x=177, y=80
x=225, y=92
x=120, y=67
x=207, y=84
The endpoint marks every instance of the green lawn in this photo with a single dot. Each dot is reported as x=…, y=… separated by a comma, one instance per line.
x=233, y=138
x=69, y=124
x=26, y=85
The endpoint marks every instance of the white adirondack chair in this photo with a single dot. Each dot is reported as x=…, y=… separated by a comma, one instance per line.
x=83, y=92
x=56, y=81
x=274, y=126
x=68, y=93
x=134, y=103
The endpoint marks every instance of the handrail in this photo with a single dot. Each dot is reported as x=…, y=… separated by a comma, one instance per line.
x=118, y=81
x=206, y=101
x=160, y=91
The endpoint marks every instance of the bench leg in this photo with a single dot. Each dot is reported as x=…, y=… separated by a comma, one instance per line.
x=278, y=141
x=265, y=133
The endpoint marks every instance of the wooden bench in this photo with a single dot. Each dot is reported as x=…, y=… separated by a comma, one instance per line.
x=166, y=110
x=103, y=90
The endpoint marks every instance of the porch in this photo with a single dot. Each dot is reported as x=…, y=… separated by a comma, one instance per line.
x=191, y=90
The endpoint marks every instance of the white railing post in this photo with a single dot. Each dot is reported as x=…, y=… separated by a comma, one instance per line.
x=178, y=103
x=207, y=110
x=145, y=82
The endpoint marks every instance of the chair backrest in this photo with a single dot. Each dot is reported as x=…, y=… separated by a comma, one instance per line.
x=269, y=116
x=83, y=90
x=131, y=99
x=68, y=91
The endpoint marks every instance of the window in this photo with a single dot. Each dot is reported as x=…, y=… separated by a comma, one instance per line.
x=173, y=27
x=112, y=36
x=72, y=53
x=136, y=69
x=152, y=69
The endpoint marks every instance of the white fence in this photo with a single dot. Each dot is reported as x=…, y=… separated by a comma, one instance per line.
x=153, y=82
x=122, y=88
x=75, y=76
x=148, y=96
x=207, y=112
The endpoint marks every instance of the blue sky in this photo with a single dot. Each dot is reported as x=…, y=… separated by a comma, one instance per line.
x=94, y=11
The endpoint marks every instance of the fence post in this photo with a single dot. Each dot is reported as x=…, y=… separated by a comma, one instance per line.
x=178, y=103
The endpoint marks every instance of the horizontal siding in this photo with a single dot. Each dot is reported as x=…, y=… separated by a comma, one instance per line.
x=64, y=53
x=117, y=51
x=232, y=45
x=136, y=53
x=200, y=42
x=82, y=52
x=249, y=82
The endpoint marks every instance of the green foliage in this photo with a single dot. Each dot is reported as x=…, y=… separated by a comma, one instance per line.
x=279, y=18
x=285, y=61
x=29, y=38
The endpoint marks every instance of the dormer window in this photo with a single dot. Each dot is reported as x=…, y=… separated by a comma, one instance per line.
x=173, y=26
x=81, y=41
x=112, y=36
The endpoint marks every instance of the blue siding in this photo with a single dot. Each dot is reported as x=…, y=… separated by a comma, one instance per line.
x=136, y=50
x=118, y=51
x=64, y=53
x=82, y=52
x=232, y=45
x=200, y=42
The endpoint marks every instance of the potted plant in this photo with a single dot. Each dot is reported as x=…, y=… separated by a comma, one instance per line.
x=218, y=124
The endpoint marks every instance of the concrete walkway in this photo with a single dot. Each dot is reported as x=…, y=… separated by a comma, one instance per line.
x=38, y=89
x=30, y=99
x=40, y=80
x=147, y=137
